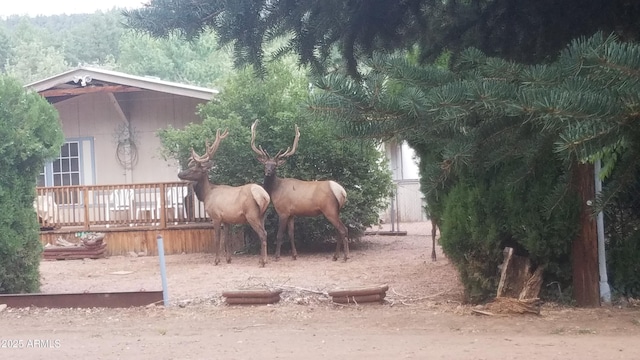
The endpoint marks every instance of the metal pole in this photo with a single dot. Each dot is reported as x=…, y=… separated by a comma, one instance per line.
x=605, y=290
x=163, y=271
x=392, y=215
x=397, y=211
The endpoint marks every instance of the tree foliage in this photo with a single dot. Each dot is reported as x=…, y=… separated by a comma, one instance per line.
x=520, y=30
x=33, y=49
x=498, y=140
x=275, y=101
x=30, y=134
x=199, y=63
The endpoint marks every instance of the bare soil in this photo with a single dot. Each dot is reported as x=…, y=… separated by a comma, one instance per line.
x=422, y=317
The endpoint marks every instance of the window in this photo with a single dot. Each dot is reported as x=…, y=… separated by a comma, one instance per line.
x=66, y=169
x=42, y=177
x=74, y=166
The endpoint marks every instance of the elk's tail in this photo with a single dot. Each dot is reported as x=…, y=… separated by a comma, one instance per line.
x=261, y=197
x=339, y=192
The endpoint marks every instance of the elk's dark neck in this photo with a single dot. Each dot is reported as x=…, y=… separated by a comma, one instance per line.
x=200, y=188
x=270, y=183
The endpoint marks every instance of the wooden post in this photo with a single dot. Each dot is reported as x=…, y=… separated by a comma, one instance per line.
x=584, y=250
x=85, y=199
x=163, y=206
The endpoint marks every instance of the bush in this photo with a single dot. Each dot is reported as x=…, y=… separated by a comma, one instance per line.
x=482, y=215
x=622, y=231
x=321, y=155
x=30, y=134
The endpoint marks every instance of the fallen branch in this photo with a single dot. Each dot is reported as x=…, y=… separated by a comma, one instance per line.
x=304, y=289
x=420, y=298
x=482, y=312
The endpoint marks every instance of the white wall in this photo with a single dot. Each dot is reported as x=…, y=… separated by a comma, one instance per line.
x=403, y=164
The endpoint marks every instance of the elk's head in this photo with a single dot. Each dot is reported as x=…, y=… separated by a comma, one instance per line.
x=199, y=165
x=272, y=162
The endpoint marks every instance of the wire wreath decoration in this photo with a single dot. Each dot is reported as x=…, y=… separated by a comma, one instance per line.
x=126, y=148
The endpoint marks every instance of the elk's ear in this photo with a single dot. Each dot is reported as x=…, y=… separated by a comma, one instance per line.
x=207, y=165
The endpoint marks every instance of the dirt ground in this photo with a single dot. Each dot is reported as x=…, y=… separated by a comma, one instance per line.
x=422, y=317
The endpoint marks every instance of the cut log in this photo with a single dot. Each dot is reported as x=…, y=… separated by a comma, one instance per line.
x=359, y=291
x=252, y=300
x=257, y=293
x=359, y=299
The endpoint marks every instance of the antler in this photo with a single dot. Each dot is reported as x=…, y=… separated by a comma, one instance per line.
x=209, y=150
x=289, y=151
x=262, y=155
x=213, y=148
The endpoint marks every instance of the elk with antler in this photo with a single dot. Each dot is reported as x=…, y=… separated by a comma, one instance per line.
x=293, y=197
x=225, y=204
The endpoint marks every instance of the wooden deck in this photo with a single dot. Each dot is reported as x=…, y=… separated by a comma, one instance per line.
x=130, y=215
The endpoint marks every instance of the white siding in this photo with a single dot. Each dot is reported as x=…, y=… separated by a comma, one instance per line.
x=408, y=206
x=95, y=116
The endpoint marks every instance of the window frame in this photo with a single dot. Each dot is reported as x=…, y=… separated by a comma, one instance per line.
x=48, y=167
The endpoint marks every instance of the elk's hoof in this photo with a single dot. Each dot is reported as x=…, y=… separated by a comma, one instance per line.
x=262, y=263
x=345, y=259
x=228, y=261
x=295, y=257
x=335, y=257
x=216, y=261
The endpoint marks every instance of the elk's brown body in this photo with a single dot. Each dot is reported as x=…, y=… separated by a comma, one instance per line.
x=293, y=197
x=225, y=204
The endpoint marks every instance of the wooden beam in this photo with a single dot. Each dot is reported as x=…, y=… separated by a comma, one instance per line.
x=88, y=90
x=118, y=108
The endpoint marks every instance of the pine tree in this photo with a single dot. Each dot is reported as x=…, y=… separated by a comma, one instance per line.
x=492, y=120
x=30, y=134
x=520, y=30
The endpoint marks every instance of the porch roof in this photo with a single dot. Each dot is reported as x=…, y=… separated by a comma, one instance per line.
x=83, y=80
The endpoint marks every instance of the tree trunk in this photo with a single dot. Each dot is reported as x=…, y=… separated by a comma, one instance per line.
x=584, y=251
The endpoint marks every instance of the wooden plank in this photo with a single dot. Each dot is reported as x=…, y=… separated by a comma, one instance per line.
x=83, y=300
x=192, y=238
x=85, y=199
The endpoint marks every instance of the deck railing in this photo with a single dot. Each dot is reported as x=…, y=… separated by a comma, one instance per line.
x=154, y=204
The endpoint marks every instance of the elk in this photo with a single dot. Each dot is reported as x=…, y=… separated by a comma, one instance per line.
x=225, y=204
x=293, y=197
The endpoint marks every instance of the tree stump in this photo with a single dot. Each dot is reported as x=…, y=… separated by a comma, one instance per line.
x=519, y=287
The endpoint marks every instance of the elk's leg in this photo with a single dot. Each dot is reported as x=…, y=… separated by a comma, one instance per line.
x=342, y=237
x=227, y=243
x=282, y=227
x=216, y=242
x=434, y=226
x=258, y=226
x=290, y=226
